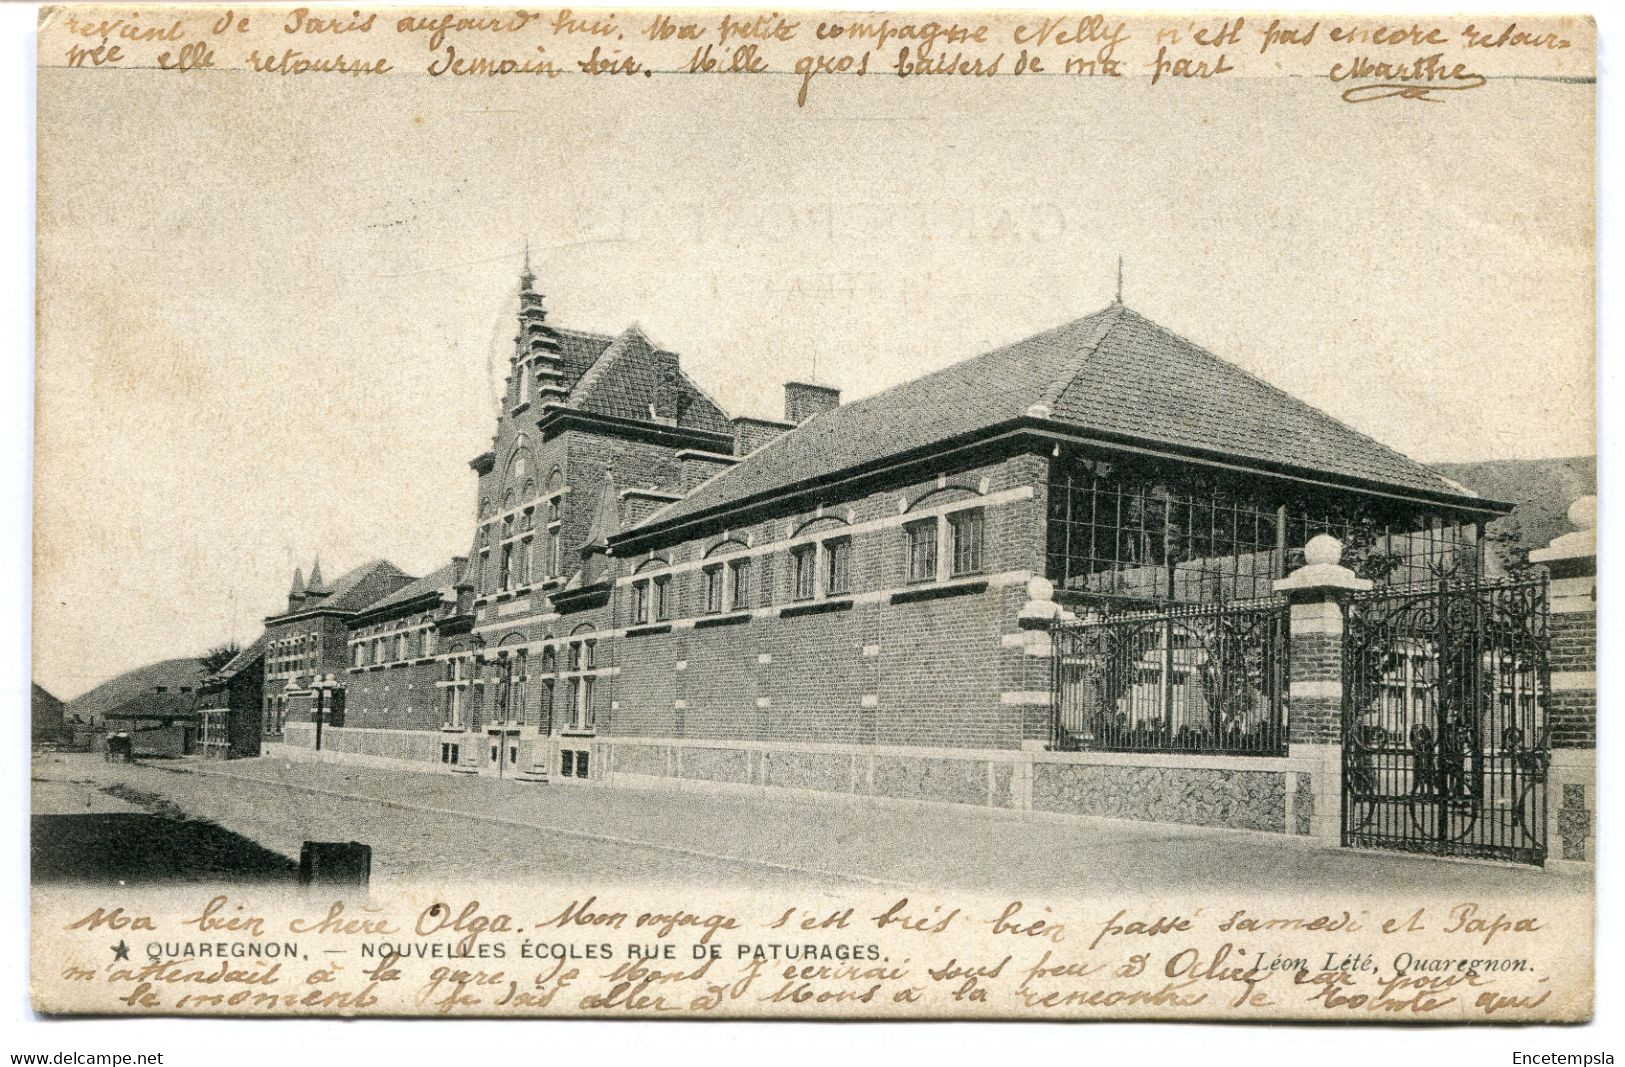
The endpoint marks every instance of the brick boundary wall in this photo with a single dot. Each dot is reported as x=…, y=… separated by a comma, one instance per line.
x=1571, y=799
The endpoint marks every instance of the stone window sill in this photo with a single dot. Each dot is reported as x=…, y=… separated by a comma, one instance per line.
x=938, y=592
x=722, y=620
x=817, y=607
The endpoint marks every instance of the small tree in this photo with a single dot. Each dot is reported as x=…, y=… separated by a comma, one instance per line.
x=219, y=656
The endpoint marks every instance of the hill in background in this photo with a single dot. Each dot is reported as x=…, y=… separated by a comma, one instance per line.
x=1542, y=489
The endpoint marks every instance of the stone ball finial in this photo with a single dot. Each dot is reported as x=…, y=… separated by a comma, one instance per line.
x=1583, y=512
x=1323, y=550
x=1040, y=589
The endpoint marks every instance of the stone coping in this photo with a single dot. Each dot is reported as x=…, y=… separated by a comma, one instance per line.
x=1173, y=760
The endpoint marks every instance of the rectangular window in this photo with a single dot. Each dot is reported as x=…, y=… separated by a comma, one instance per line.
x=739, y=572
x=588, y=716
x=965, y=532
x=640, y=603
x=803, y=565
x=838, y=566
x=713, y=589
x=663, y=598
x=922, y=550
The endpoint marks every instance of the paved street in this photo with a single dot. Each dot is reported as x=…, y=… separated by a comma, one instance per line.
x=426, y=826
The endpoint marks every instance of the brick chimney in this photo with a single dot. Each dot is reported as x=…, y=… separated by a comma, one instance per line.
x=667, y=392
x=803, y=400
x=638, y=504
x=751, y=434
x=695, y=467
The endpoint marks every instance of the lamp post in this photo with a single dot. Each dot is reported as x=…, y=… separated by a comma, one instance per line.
x=322, y=685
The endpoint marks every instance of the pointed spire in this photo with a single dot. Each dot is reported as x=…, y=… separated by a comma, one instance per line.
x=298, y=588
x=315, y=585
x=527, y=277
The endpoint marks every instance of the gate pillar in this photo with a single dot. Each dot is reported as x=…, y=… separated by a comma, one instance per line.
x=1571, y=560
x=1316, y=592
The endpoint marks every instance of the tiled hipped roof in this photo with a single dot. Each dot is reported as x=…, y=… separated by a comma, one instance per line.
x=438, y=581
x=1114, y=373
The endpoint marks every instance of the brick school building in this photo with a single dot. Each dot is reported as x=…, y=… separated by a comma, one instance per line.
x=857, y=598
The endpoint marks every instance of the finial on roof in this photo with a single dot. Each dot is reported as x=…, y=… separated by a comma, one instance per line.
x=526, y=277
x=1119, y=299
x=315, y=585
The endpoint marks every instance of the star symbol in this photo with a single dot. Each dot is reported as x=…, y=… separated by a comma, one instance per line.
x=121, y=951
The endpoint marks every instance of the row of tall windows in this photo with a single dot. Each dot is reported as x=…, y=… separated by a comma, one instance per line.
x=949, y=547
x=506, y=696
x=519, y=558
x=394, y=647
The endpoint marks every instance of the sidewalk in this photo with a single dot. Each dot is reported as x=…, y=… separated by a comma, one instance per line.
x=863, y=842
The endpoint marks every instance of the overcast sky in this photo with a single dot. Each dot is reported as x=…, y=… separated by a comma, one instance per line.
x=273, y=314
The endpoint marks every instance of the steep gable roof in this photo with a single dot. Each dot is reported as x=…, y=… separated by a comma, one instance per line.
x=625, y=379
x=1113, y=373
x=578, y=351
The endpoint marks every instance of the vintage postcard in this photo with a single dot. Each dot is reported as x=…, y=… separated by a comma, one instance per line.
x=810, y=514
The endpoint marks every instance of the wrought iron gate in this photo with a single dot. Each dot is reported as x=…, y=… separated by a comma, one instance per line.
x=1445, y=736
x=1197, y=678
